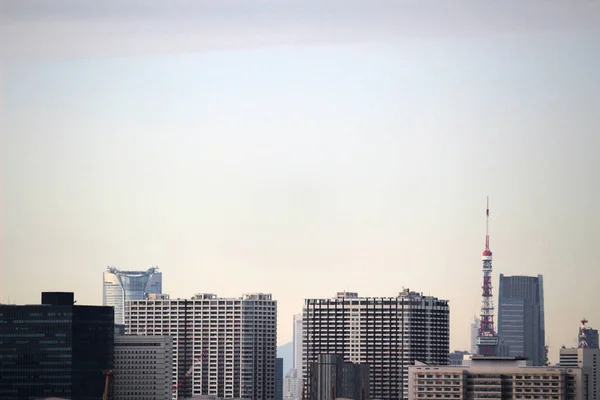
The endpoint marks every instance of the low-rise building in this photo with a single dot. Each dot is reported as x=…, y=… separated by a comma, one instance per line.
x=143, y=367
x=498, y=378
x=332, y=378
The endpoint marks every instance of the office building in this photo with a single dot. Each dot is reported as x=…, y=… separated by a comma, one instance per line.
x=55, y=349
x=143, y=368
x=456, y=357
x=120, y=286
x=332, y=378
x=474, y=335
x=387, y=333
x=279, y=379
x=292, y=385
x=587, y=360
x=297, y=342
x=229, y=343
x=521, y=317
x=487, y=377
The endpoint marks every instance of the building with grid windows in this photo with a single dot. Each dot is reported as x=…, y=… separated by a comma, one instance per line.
x=120, y=286
x=521, y=317
x=387, y=333
x=488, y=377
x=55, y=349
x=143, y=367
x=587, y=360
x=227, y=344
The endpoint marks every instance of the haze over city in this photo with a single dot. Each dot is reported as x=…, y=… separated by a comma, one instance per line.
x=303, y=149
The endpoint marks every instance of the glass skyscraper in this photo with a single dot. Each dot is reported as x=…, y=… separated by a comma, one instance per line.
x=120, y=286
x=521, y=317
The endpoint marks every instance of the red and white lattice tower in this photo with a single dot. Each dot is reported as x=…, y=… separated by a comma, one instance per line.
x=582, y=340
x=487, y=341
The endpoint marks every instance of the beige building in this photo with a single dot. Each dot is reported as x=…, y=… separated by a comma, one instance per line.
x=587, y=359
x=496, y=378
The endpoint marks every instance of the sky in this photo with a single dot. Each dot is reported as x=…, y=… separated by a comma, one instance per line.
x=301, y=149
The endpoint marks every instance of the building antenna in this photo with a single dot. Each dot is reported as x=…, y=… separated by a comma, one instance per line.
x=487, y=341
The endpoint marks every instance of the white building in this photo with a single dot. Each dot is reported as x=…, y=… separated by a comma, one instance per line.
x=474, y=334
x=292, y=385
x=487, y=377
x=387, y=333
x=587, y=360
x=143, y=368
x=227, y=344
x=119, y=286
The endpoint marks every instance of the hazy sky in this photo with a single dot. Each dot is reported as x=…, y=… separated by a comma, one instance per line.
x=302, y=149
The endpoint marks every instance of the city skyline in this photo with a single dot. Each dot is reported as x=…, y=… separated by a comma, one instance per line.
x=351, y=146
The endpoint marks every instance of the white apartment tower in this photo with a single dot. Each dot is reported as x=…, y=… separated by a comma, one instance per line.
x=228, y=345
x=387, y=333
x=143, y=367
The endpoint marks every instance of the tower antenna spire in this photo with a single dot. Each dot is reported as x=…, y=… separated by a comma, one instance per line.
x=487, y=341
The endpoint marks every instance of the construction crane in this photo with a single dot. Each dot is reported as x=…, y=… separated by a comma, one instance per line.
x=189, y=371
x=108, y=383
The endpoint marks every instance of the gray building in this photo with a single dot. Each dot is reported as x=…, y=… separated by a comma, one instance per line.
x=387, y=333
x=143, y=367
x=120, y=286
x=279, y=379
x=55, y=349
x=331, y=378
x=521, y=317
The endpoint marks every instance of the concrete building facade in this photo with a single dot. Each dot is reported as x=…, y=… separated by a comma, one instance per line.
x=332, y=378
x=521, y=317
x=143, y=368
x=387, y=333
x=228, y=343
x=587, y=360
x=495, y=378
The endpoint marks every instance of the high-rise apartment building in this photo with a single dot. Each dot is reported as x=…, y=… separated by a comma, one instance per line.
x=387, y=333
x=521, y=317
x=143, y=367
x=228, y=343
x=587, y=360
x=120, y=286
x=56, y=349
x=489, y=377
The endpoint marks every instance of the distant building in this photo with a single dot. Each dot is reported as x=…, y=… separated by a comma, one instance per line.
x=331, y=378
x=292, y=385
x=143, y=368
x=279, y=379
x=587, y=359
x=120, y=286
x=591, y=337
x=229, y=343
x=56, y=349
x=474, y=335
x=456, y=357
x=388, y=333
x=521, y=317
x=487, y=377
x=297, y=343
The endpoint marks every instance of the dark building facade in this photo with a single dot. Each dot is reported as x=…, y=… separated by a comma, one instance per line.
x=387, y=333
x=279, y=379
x=521, y=317
x=56, y=349
x=331, y=378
